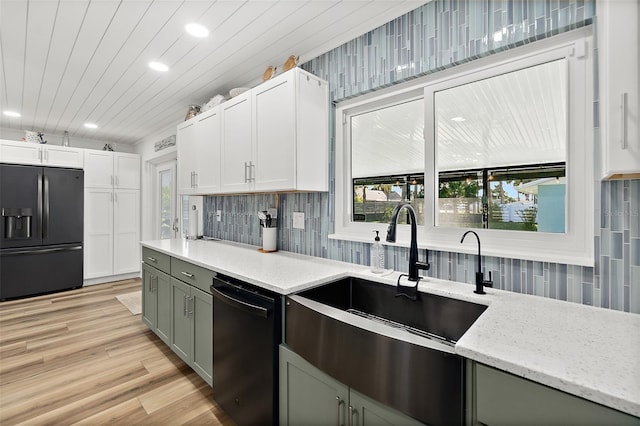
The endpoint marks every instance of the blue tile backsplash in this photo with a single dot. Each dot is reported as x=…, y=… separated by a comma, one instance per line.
x=438, y=35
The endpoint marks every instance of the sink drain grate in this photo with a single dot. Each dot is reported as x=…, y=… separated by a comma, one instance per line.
x=404, y=327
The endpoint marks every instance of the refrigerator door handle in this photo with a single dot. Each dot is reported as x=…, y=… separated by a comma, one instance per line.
x=39, y=208
x=45, y=216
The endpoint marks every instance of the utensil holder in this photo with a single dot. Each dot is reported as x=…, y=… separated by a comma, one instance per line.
x=269, y=239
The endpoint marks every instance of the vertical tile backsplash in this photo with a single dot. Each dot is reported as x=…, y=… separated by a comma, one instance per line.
x=438, y=35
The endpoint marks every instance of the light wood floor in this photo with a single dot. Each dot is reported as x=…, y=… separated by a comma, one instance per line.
x=80, y=357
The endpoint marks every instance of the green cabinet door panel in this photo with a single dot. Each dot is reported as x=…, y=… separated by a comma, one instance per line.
x=148, y=297
x=307, y=395
x=180, y=321
x=368, y=412
x=163, y=307
x=505, y=399
x=202, y=337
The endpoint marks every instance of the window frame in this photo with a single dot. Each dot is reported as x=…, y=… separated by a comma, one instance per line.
x=576, y=245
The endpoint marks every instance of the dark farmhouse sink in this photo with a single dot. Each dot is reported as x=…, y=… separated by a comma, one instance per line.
x=413, y=369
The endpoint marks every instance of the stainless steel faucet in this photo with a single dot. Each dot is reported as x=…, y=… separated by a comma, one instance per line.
x=414, y=264
x=480, y=281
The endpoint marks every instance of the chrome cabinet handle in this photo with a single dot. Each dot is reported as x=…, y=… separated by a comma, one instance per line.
x=46, y=155
x=155, y=285
x=252, y=172
x=623, y=120
x=351, y=410
x=190, y=302
x=184, y=305
x=117, y=181
x=339, y=402
x=186, y=274
x=111, y=180
x=40, y=154
x=195, y=180
x=152, y=259
x=246, y=179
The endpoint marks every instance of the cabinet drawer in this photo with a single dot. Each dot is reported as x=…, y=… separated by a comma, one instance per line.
x=156, y=259
x=192, y=274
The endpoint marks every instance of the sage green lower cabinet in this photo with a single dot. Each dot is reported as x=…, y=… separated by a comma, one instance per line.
x=309, y=396
x=156, y=301
x=191, y=327
x=504, y=399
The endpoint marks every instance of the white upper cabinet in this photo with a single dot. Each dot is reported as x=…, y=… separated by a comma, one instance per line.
x=208, y=135
x=187, y=156
x=236, y=162
x=276, y=136
x=291, y=133
x=108, y=169
x=199, y=154
x=619, y=53
x=41, y=154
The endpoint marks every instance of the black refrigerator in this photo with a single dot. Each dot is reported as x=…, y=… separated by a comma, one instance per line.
x=42, y=213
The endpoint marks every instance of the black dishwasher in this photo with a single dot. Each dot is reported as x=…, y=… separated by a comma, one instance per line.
x=247, y=330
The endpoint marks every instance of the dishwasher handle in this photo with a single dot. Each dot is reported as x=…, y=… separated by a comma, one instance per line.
x=232, y=300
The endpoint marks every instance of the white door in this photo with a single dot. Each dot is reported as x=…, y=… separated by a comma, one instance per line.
x=166, y=204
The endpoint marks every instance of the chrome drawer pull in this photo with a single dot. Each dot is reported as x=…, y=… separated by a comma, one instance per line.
x=152, y=259
x=186, y=274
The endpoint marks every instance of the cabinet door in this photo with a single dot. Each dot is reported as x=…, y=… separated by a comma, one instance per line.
x=274, y=124
x=98, y=169
x=126, y=231
x=236, y=158
x=180, y=320
x=149, y=301
x=309, y=396
x=368, y=412
x=201, y=311
x=98, y=232
x=208, y=137
x=21, y=153
x=162, y=291
x=505, y=399
x=126, y=170
x=187, y=156
x=619, y=89
x=61, y=156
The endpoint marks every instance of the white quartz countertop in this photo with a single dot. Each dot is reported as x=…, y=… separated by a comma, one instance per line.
x=589, y=352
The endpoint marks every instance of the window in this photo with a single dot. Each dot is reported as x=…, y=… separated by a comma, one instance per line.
x=387, y=160
x=506, y=149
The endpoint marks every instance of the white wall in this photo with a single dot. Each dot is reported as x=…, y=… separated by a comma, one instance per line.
x=56, y=139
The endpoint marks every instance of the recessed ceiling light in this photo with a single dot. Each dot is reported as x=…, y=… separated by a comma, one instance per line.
x=458, y=119
x=11, y=114
x=90, y=126
x=158, y=66
x=197, y=30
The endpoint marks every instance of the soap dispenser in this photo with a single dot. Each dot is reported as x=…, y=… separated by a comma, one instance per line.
x=377, y=256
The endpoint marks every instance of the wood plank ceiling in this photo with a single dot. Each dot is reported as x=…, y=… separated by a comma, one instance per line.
x=68, y=62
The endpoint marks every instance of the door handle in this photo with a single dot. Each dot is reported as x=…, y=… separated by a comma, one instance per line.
x=623, y=120
x=45, y=214
x=184, y=305
x=339, y=402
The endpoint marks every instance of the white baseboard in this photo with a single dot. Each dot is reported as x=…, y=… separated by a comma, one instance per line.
x=101, y=280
